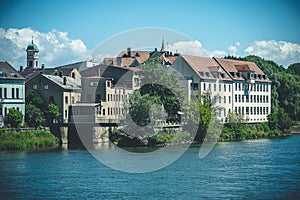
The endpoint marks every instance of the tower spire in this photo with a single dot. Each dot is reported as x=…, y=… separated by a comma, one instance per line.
x=31, y=39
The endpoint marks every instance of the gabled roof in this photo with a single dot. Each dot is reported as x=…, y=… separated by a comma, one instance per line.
x=71, y=83
x=234, y=66
x=204, y=67
x=30, y=73
x=9, y=72
x=141, y=56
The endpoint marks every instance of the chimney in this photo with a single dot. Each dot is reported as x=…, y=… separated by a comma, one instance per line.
x=65, y=81
x=43, y=66
x=60, y=74
x=21, y=68
x=129, y=52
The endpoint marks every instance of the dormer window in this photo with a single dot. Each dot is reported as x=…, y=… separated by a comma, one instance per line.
x=14, y=75
x=207, y=74
x=2, y=74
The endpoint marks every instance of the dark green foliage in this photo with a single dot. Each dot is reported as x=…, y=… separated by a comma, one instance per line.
x=294, y=69
x=27, y=140
x=14, y=118
x=38, y=111
x=34, y=117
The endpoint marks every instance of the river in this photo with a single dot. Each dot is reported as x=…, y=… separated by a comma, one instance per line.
x=254, y=169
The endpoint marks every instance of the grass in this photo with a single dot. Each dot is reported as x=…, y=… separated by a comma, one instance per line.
x=27, y=140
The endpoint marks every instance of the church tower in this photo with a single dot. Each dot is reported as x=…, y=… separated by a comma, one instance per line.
x=32, y=56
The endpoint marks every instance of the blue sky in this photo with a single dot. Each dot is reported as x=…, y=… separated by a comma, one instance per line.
x=270, y=29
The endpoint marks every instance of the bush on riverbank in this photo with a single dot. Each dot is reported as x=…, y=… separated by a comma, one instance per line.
x=27, y=140
x=250, y=131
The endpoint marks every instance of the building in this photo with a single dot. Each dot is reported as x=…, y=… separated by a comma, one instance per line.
x=32, y=56
x=60, y=90
x=131, y=58
x=237, y=86
x=12, y=90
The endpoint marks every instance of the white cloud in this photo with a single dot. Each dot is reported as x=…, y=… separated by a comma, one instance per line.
x=194, y=48
x=55, y=47
x=233, y=49
x=189, y=48
x=283, y=53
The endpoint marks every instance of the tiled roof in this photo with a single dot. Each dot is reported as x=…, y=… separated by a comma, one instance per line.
x=141, y=56
x=240, y=66
x=206, y=68
x=7, y=71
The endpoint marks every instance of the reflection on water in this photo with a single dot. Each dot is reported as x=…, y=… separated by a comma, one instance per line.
x=256, y=169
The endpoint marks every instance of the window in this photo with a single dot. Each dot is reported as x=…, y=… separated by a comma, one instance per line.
x=254, y=110
x=209, y=86
x=215, y=87
x=220, y=87
x=267, y=88
x=247, y=98
x=34, y=87
x=66, y=113
x=224, y=87
x=229, y=88
x=247, y=110
x=229, y=99
x=236, y=86
x=5, y=93
x=195, y=86
x=93, y=83
x=204, y=86
x=267, y=110
x=18, y=93
x=260, y=98
x=224, y=112
x=103, y=111
x=136, y=82
x=251, y=110
x=235, y=109
x=108, y=83
x=235, y=99
x=51, y=99
x=0, y=92
x=72, y=100
x=46, y=87
x=254, y=98
x=239, y=86
x=13, y=93
x=257, y=98
x=224, y=99
x=260, y=110
x=267, y=99
x=219, y=99
x=242, y=98
x=239, y=98
x=66, y=100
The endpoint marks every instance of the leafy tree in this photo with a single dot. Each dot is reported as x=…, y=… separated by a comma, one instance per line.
x=159, y=82
x=294, y=68
x=201, y=114
x=54, y=113
x=34, y=117
x=14, y=118
x=48, y=111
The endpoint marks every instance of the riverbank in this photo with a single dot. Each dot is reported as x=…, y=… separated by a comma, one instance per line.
x=27, y=140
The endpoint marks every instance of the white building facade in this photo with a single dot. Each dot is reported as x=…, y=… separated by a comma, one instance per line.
x=236, y=86
x=12, y=90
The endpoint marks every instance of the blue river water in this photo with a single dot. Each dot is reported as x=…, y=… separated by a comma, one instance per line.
x=254, y=169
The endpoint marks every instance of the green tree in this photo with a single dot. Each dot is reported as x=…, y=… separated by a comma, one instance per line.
x=34, y=117
x=54, y=112
x=294, y=68
x=201, y=114
x=159, y=82
x=14, y=118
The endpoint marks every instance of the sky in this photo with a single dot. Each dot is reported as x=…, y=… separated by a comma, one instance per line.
x=69, y=31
